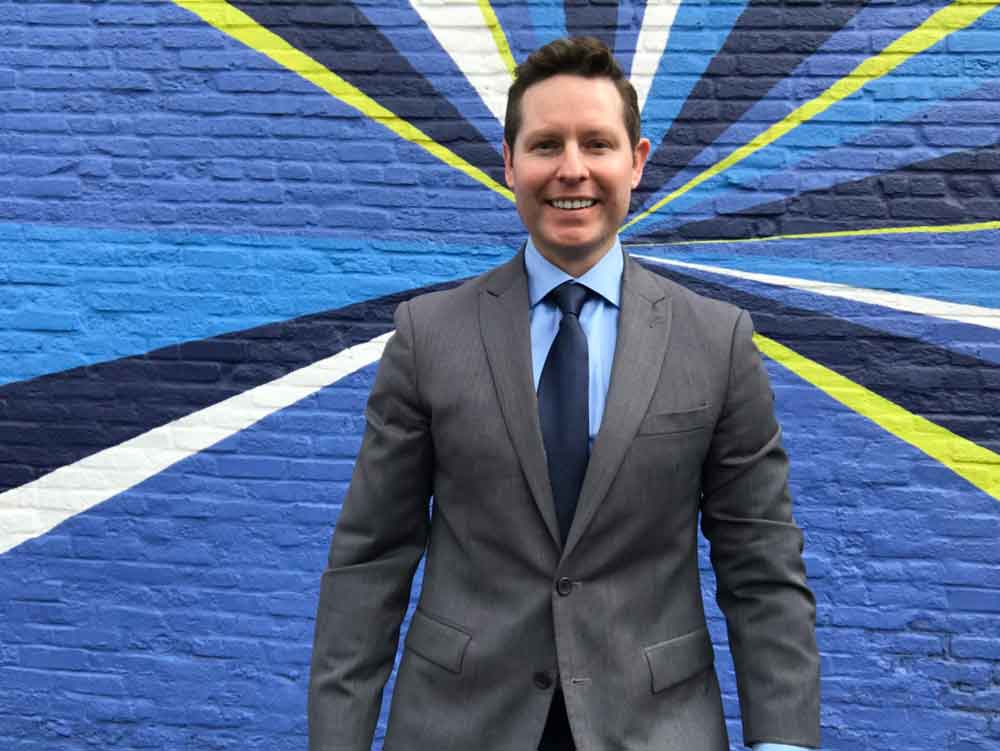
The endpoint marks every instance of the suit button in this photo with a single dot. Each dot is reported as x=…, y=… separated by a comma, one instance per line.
x=542, y=680
x=564, y=586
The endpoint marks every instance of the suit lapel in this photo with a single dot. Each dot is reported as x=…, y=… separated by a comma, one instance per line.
x=504, y=319
x=643, y=331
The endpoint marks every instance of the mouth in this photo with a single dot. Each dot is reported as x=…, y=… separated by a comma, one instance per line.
x=572, y=204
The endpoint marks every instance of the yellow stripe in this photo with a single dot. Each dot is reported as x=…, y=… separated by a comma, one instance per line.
x=930, y=228
x=951, y=18
x=493, y=23
x=245, y=29
x=969, y=460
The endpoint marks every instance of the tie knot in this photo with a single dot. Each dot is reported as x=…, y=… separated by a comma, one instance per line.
x=570, y=296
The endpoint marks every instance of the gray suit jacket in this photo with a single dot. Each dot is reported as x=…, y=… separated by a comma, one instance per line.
x=615, y=617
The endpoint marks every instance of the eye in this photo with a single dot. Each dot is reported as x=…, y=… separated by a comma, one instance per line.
x=546, y=145
x=600, y=144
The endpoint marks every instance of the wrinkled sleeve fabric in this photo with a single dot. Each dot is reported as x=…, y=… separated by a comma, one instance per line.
x=756, y=551
x=379, y=539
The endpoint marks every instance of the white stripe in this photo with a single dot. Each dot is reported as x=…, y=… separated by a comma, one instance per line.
x=35, y=508
x=657, y=21
x=461, y=30
x=925, y=306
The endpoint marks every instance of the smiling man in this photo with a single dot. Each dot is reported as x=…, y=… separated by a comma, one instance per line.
x=575, y=417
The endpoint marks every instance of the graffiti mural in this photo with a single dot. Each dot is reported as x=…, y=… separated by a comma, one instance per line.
x=210, y=209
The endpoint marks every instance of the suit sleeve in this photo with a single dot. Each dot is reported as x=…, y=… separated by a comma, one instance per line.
x=756, y=551
x=378, y=541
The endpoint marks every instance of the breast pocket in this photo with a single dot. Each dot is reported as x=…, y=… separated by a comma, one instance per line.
x=679, y=421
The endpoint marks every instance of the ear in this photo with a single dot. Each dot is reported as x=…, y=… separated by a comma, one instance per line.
x=508, y=166
x=639, y=156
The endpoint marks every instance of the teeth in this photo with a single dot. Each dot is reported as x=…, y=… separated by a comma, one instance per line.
x=582, y=203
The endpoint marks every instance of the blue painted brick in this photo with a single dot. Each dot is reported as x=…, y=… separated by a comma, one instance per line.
x=899, y=575
x=129, y=38
x=962, y=675
x=974, y=600
x=58, y=15
x=53, y=658
x=250, y=127
x=203, y=37
x=36, y=124
x=246, y=82
x=987, y=700
x=987, y=648
x=62, y=38
x=252, y=467
x=125, y=14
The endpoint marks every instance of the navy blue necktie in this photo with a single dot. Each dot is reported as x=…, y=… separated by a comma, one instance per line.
x=563, y=404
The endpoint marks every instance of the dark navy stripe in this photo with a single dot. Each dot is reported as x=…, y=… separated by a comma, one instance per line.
x=958, y=188
x=595, y=19
x=767, y=43
x=941, y=385
x=60, y=418
x=338, y=35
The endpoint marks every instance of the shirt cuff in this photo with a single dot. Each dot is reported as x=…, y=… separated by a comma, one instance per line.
x=777, y=747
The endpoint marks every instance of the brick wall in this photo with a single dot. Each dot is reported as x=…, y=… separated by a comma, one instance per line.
x=197, y=242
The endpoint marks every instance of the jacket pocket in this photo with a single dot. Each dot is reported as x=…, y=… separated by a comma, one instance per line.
x=676, y=660
x=676, y=422
x=442, y=644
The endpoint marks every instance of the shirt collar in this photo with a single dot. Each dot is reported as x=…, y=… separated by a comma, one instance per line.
x=604, y=278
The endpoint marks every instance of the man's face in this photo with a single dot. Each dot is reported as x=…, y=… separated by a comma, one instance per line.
x=572, y=169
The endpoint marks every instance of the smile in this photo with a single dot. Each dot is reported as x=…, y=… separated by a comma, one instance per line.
x=573, y=204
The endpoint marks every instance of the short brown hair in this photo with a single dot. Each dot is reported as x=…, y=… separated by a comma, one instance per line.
x=577, y=56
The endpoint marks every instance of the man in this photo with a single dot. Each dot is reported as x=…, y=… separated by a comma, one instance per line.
x=571, y=434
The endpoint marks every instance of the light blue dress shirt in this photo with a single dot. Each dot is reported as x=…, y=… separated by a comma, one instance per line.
x=599, y=320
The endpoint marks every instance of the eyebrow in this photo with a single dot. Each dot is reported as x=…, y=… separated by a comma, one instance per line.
x=608, y=134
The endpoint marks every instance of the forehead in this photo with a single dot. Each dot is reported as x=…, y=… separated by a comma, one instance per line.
x=572, y=102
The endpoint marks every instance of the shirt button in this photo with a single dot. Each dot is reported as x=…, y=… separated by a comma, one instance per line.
x=542, y=680
x=564, y=586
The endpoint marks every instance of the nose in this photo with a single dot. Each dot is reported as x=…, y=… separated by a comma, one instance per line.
x=572, y=166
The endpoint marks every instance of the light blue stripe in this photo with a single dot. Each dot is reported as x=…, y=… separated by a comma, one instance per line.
x=76, y=296
x=969, y=286
x=975, y=250
x=549, y=19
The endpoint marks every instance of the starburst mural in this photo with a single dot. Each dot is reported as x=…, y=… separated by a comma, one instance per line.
x=212, y=209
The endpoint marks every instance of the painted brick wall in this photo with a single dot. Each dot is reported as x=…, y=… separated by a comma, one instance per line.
x=200, y=237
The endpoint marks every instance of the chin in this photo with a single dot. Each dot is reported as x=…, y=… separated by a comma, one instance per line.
x=579, y=247
x=575, y=242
